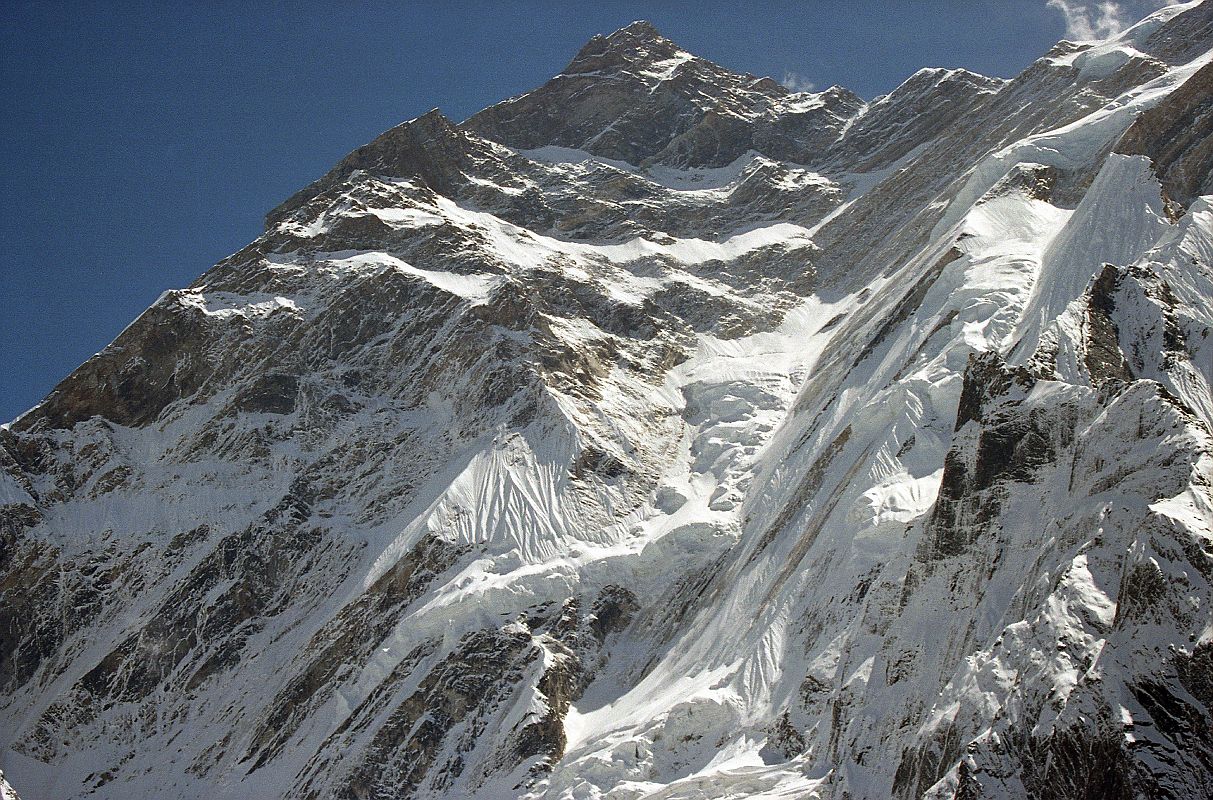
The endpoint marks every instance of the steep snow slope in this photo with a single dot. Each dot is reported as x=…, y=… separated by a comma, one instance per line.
x=661, y=434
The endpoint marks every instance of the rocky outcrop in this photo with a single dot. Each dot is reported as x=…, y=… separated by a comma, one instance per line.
x=1177, y=136
x=635, y=96
x=6, y=791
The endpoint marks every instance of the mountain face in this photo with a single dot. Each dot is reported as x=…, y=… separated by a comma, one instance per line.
x=659, y=433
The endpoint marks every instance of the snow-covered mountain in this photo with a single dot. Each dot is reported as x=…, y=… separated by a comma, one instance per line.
x=659, y=433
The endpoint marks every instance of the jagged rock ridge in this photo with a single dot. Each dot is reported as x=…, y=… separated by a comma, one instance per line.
x=657, y=433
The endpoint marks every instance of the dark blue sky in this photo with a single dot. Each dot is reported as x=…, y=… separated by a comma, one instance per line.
x=142, y=143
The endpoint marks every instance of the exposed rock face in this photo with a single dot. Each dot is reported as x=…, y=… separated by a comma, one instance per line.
x=657, y=433
x=1178, y=137
x=635, y=96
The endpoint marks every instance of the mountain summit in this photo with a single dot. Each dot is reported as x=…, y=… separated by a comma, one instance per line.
x=635, y=96
x=658, y=433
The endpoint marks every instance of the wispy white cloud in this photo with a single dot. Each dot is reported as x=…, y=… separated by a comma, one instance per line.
x=1087, y=20
x=798, y=83
x=1099, y=19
